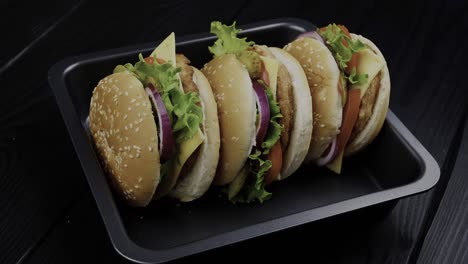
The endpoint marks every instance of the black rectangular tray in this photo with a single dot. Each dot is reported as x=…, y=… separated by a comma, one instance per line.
x=393, y=166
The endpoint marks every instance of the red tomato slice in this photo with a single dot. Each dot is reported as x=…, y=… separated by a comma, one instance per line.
x=354, y=59
x=276, y=158
x=350, y=114
x=150, y=60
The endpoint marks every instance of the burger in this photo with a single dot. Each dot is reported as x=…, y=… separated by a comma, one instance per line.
x=265, y=113
x=155, y=127
x=350, y=87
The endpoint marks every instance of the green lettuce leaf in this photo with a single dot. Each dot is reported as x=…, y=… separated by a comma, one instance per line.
x=254, y=189
x=227, y=41
x=355, y=78
x=274, y=128
x=183, y=109
x=333, y=35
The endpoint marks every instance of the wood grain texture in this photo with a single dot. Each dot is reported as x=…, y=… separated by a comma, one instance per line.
x=38, y=180
x=447, y=238
x=80, y=237
x=42, y=186
x=27, y=25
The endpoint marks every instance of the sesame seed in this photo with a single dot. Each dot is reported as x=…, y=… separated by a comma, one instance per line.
x=126, y=93
x=150, y=148
x=125, y=117
x=140, y=179
x=129, y=108
x=125, y=165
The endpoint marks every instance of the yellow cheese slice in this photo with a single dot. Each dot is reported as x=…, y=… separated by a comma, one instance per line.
x=186, y=149
x=370, y=64
x=271, y=67
x=166, y=50
x=335, y=165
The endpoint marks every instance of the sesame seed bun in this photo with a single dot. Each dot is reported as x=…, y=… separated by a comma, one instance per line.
x=199, y=179
x=301, y=133
x=125, y=135
x=232, y=88
x=372, y=128
x=323, y=75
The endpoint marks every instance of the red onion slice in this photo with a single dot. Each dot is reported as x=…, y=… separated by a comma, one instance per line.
x=166, y=138
x=263, y=111
x=312, y=34
x=329, y=154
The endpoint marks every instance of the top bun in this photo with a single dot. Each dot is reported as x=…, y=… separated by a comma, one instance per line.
x=232, y=88
x=125, y=135
x=323, y=76
x=379, y=110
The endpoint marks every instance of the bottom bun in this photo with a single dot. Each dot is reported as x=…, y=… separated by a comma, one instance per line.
x=380, y=109
x=301, y=133
x=199, y=179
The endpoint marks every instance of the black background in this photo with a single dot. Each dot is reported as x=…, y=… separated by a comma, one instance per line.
x=47, y=213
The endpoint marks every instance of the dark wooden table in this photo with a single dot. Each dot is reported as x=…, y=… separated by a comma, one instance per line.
x=48, y=215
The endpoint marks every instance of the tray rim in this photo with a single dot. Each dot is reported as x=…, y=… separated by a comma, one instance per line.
x=430, y=171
